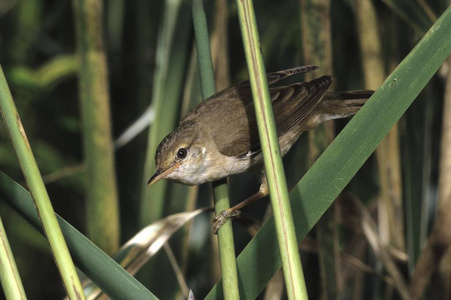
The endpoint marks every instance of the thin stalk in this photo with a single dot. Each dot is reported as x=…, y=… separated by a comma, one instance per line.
x=220, y=58
x=439, y=241
x=9, y=275
x=390, y=205
x=220, y=190
x=93, y=262
x=414, y=13
x=388, y=152
x=319, y=187
x=317, y=44
x=191, y=96
x=46, y=76
x=115, y=24
x=177, y=270
x=219, y=45
x=286, y=235
x=207, y=74
x=28, y=24
x=102, y=207
x=444, y=176
x=172, y=55
x=171, y=59
x=39, y=193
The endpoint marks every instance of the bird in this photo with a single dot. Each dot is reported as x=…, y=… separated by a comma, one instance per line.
x=219, y=137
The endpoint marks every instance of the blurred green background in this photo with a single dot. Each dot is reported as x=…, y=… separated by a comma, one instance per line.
x=38, y=55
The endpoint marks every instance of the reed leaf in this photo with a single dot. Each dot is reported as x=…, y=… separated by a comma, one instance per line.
x=92, y=261
x=38, y=191
x=345, y=155
x=145, y=244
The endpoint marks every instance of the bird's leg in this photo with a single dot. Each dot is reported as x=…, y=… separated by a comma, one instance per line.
x=234, y=211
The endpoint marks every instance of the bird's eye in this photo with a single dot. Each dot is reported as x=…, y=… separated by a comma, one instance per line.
x=181, y=153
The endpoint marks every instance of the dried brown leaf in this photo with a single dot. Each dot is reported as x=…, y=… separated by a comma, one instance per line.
x=381, y=251
x=137, y=251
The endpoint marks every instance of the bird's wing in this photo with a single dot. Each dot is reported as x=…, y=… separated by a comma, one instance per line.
x=279, y=75
x=297, y=101
x=232, y=119
x=291, y=104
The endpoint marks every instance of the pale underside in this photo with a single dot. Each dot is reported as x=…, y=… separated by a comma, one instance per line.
x=232, y=128
x=221, y=133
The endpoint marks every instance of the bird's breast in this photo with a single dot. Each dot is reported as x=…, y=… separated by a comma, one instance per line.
x=213, y=168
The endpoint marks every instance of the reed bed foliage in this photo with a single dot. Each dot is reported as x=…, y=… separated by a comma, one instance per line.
x=387, y=236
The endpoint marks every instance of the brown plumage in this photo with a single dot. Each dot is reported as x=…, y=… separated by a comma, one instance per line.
x=219, y=137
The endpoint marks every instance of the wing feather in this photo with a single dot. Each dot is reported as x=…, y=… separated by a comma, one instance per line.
x=231, y=116
x=279, y=75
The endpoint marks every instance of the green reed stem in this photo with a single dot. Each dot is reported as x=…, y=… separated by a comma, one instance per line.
x=316, y=191
x=286, y=235
x=38, y=191
x=220, y=190
x=93, y=262
x=102, y=205
x=9, y=275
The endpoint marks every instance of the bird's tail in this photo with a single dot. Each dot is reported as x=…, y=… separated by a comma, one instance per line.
x=338, y=105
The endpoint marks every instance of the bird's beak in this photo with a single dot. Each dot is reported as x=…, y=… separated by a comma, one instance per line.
x=161, y=174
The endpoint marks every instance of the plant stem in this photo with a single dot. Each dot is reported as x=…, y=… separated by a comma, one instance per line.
x=330, y=174
x=9, y=275
x=220, y=190
x=286, y=235
x=38, y=192
x=93, y=262
x=388, y=152
x=102, y=206
x=172, y=55
x=317, y=44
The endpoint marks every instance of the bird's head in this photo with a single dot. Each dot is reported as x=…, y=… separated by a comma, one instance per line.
x=180, y=157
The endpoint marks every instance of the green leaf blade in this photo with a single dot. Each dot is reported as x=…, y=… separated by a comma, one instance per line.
x=342, y=159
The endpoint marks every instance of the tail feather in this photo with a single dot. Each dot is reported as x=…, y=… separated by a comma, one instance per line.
x=336, y=105
x=350, y=95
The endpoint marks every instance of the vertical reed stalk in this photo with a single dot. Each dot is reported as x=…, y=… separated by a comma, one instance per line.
x=220, y=190
x=220, y=58
x=172, y=55
x=219, y=46
x=28, y=24
x=333, y=170
x=439, y=241
x=9, y=275
x=38, y=191
x=444, y=180
x=93, y=262
x=102, y=199
x=317, y=44
x=171, y=59
x=286, y=235
x=388, y=152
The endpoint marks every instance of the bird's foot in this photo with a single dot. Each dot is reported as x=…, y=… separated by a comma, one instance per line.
x=221, y=218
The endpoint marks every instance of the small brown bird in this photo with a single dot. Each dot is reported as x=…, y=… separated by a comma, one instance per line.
x=219, y=137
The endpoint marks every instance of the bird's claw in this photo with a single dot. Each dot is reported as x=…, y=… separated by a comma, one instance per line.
x=220, y=219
